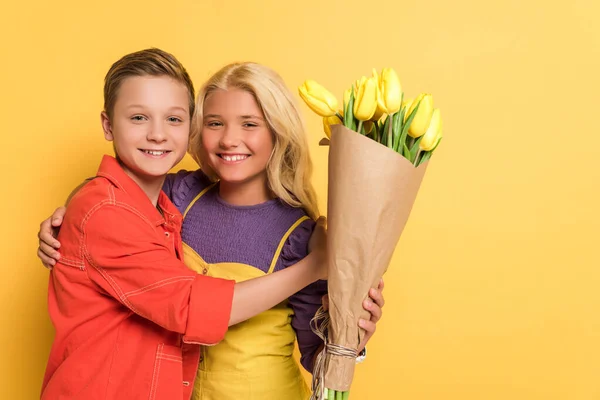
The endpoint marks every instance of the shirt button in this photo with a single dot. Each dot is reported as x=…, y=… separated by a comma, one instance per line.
x=204, y=271
x=167, y=234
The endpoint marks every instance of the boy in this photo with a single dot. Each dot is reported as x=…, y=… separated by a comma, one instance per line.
x=129, y=315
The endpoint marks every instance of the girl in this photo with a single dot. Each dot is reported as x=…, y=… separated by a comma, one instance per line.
x=249, y=211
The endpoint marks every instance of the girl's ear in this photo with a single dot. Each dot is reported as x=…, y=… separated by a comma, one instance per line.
x=106, y=126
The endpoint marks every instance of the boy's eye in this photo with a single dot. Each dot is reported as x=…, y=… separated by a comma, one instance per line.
x=138, y=118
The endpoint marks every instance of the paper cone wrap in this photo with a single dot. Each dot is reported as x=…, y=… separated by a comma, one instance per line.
x=370, y=196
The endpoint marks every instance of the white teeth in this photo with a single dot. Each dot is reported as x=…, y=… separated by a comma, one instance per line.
x=155, y=152
x=234, y=158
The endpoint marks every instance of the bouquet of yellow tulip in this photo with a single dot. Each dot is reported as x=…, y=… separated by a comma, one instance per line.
x=379, y=149
x=375, y=107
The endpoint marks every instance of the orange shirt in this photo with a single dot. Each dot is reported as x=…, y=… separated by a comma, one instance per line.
x=129, y=315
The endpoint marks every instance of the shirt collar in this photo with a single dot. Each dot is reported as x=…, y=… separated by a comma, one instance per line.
x=114, y=172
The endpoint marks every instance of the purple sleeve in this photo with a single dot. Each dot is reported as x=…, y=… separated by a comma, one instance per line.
x=183, y=184
x=306, y=302
x=169, y=183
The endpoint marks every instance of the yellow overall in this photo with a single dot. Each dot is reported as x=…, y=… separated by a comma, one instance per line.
x=254, y=361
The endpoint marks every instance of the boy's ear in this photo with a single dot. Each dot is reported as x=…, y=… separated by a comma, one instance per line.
x=106, y=126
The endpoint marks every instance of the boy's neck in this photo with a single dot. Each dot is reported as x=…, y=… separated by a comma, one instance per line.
x=152, y=189
x=244, y=194
x=150, y=185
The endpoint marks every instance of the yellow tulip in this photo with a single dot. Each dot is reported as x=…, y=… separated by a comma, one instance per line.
x=318, y=99
x=381, y=110
x=434, y=132
x=390, y=91
x=420, y=122
x=406, y=106
x=365, y=103
x=328, y=121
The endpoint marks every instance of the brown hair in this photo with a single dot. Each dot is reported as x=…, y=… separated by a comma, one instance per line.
x=148, y=62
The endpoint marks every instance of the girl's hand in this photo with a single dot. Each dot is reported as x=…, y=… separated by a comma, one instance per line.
x=373, y=305
x=47, y=238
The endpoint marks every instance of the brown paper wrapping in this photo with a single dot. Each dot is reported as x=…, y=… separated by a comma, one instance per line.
x=370, y=195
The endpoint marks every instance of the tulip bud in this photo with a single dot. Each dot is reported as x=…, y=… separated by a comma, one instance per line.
x=328, y=121
x=434, y=132
x=365, y=103
x=420, y=122
x=390, y=91
x=318, y=99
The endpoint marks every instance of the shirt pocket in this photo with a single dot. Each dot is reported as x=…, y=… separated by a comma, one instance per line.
x=167, y=376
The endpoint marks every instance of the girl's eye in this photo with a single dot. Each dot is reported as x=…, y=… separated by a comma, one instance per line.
x=249, y=125
x=214, y=124
x=174, y=119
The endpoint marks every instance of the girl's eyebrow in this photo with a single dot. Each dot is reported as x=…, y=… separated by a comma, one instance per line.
x=250, y=117
x=212, y=116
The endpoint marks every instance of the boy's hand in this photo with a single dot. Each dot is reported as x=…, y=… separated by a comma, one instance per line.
x=373, y=305
x=48, y=245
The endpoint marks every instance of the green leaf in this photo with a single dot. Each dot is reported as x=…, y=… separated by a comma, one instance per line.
x=407, y=125
x=426, y=156
x=406, y=152
x=396, y=129
x=383, y=137
x=349, y=111
x=415, y=149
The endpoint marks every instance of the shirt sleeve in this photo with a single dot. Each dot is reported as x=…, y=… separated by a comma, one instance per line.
x=306, y=302
x=131, y=262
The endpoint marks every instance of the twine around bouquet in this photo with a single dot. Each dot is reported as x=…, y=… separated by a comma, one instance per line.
x=319, y=325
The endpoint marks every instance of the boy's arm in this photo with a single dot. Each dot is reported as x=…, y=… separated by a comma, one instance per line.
x=127, y=261
x=74, y=191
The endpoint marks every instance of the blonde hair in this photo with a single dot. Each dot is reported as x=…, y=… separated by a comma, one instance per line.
x=148, y=62
x=289, y=169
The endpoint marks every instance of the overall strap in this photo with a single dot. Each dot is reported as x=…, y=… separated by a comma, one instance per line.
x=283, y=240
x=206, y=189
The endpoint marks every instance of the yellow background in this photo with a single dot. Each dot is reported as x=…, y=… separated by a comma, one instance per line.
x=493, y=290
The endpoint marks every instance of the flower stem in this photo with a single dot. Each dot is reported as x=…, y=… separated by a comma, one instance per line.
x=390, y=128
x=360, y=124
x=417, y=157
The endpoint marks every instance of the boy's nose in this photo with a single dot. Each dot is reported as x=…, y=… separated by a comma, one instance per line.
x=157, y=132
